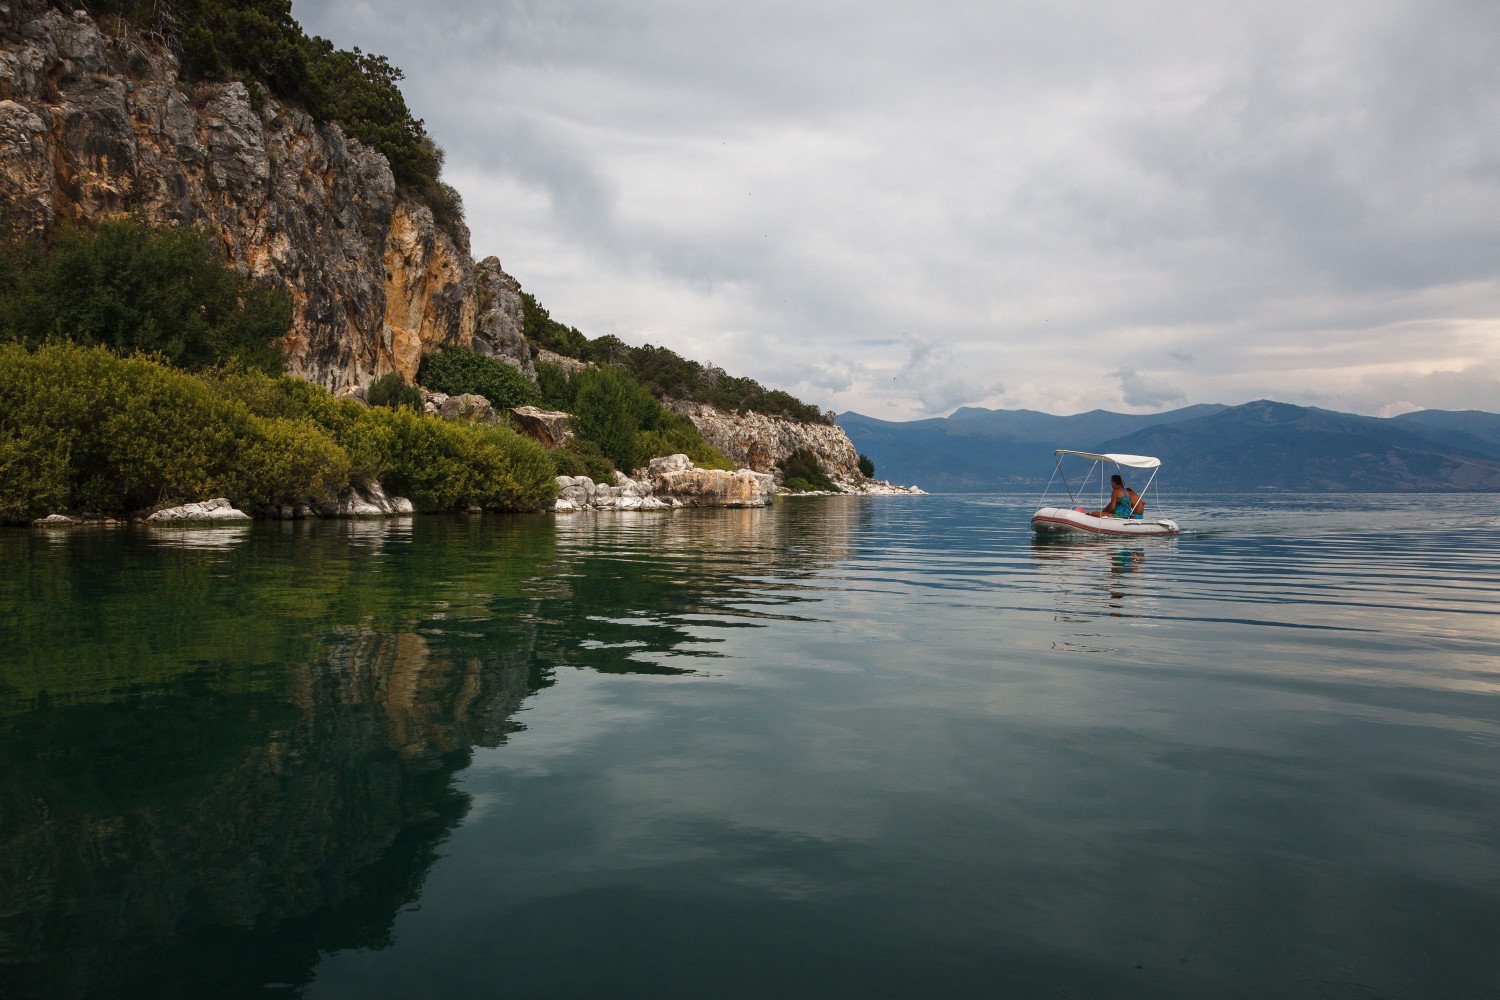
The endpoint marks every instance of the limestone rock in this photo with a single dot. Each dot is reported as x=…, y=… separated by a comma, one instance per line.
x=756, y=441
x=95, y=121
x=499, y=330
x=55, y=521
x=468, y=406
x=549, y=427
x=219, y=509
x=368, y=500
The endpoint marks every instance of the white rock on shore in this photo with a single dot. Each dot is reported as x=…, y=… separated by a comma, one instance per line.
x=55, y=521
x=219, y=509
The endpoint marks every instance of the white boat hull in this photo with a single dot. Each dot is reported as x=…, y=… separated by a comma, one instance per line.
x=1067, y=521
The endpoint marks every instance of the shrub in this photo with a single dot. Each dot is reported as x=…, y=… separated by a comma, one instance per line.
x=609, y=409
x=84, y=429
x=558, y=391
x=458, y=370
x=391, y=390
x=802, y=473
x=581, y=457
x=133, y=287
x=285, y=461
x=866, y=467
x=441, y=465
x=673, y=434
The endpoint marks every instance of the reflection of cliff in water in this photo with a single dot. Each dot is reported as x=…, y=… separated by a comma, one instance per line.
x=225, y=754
x=177, y=844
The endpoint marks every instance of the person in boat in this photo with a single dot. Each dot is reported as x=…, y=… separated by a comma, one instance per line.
x=1124, y=502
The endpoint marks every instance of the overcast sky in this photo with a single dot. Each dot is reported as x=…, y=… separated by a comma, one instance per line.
x=902, y=208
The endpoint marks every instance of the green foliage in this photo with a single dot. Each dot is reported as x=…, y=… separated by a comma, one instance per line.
x=557, y=389
x=866, y=467
x=544, y=331
x=391, y=390
x=609, y=409
x=802, y=473
x=135, y=287
x=260, y=42
x=288, y=461
x=619, y=419
x=581, y=457
x=663, y=372
x=457, y=370
x=441, y=465
x=674, y=434
x=84, y=429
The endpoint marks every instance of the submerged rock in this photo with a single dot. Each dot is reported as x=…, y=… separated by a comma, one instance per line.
x=219, y=509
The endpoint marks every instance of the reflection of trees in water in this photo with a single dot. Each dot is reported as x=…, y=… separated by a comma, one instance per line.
x=225, y=755
x=634, y=591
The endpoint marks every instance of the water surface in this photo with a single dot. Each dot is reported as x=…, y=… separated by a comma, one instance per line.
x=844, y=747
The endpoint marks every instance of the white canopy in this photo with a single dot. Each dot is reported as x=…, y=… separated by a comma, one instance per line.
x=1133, y=461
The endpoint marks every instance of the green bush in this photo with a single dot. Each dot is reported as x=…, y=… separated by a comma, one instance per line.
x=663, y=372
x=442, y=465
x=83, y=429
x=557, y=389
x=133, y=287
x=674, y=434
x=802, y=473
x=866, y=467
x=609, y=409
x=391, y=390
x=581, y=457
x=458, y=370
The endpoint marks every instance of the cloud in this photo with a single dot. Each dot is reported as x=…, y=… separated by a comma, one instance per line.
x=937, y=382
x=1277, y=194
x=1139, y=389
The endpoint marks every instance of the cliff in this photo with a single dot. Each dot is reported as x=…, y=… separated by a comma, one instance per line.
x=95, y=120
x=763, y=443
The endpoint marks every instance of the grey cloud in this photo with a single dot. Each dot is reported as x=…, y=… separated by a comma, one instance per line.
x=1260, y=191
x=1140, y=389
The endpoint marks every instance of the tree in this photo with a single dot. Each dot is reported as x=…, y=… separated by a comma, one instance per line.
x=133, y=287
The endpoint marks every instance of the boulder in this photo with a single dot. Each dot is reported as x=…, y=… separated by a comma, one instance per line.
x=468, y=406
x=366, y=501
x=219, y=509
x=55, y=521
x=549, y=427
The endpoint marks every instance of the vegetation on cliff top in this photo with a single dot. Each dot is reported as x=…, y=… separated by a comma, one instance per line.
x=82, y=428
x=663, y=371
x=259, y=41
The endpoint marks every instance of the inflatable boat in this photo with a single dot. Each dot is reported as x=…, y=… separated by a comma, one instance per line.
x=1079, y=520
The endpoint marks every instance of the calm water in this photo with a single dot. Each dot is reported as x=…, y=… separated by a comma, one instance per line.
x=840, y=748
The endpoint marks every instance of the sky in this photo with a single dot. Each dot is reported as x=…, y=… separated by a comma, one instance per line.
x=902, y=208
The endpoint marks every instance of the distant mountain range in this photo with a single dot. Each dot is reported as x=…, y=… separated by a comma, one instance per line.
x=1262, y=445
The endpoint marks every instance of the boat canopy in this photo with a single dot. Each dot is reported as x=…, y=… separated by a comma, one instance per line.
x=1133, y=461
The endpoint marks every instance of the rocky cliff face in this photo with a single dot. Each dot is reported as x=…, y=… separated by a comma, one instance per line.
x=94, y=121
x=755, y=441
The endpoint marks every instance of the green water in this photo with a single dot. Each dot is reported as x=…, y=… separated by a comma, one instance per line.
x=888, y=747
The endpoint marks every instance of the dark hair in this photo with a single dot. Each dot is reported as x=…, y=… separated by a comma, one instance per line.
x=1117, y=480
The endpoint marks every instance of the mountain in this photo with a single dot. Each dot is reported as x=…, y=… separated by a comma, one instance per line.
x=1255, y=446
x=1474, y=429
x=982, y=449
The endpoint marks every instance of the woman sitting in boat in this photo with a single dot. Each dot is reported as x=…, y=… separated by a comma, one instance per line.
x=1123, y=501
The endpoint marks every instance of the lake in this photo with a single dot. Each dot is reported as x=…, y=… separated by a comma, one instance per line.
x=844, y=747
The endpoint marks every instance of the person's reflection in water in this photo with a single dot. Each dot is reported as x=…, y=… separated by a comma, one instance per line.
x=1124, y=561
